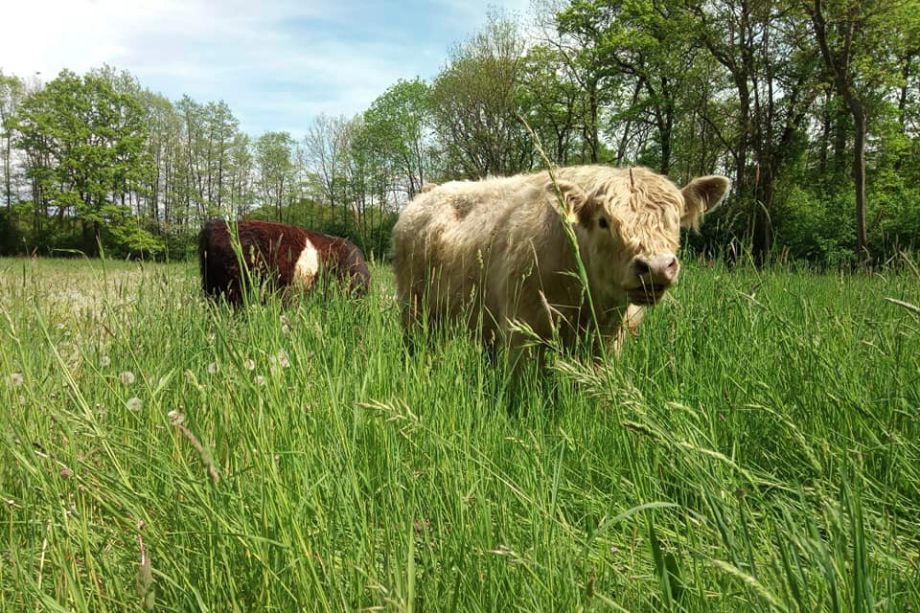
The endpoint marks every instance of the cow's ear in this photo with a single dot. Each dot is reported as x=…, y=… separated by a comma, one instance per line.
x=577, y=204
x=702, y=195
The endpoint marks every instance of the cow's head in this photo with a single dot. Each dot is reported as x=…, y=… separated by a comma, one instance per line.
x=629, y=229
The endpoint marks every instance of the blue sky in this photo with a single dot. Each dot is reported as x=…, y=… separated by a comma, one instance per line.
x=277, y=63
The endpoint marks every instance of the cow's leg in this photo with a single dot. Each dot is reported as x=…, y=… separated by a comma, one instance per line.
x=413, y=320
x=628, y=326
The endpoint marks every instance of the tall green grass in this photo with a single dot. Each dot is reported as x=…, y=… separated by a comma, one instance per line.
x=756, y=448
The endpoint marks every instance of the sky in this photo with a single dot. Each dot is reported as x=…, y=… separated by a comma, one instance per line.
x=277, y=63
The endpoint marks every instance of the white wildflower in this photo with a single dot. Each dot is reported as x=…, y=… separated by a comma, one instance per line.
x=283, y=360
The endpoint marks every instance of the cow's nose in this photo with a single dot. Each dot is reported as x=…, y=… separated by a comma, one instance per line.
x=659, y=270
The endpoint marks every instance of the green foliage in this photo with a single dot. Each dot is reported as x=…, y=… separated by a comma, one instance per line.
x=688, y=88
x=475, y=104
x=273, y=155
x=816, y=226
x=86, y=140
x=371, y=235
x=395, y=127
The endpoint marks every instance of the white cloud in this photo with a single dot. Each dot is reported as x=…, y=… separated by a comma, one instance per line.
x=277, y=63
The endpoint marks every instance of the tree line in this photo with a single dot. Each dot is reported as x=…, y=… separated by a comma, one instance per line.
x=812, y=107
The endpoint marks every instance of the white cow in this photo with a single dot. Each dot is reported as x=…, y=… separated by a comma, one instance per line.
x=496, y=253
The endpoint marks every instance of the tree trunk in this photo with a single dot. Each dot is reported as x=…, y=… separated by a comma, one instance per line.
x=825, y=136
x=762, y=238
x=844, y=81
x=591, y=136
x=7, y=173
x=859, y=175
x=840, y=143
x=744, y=98
x=902, y=94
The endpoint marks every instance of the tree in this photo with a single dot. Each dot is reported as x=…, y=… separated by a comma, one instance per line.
x=853, y=39
x=552, y=103
x=763, y=48
x=273, y=159
x=86, y=142
x=643, y=46
x=326, y=151
x=397, y=126
x=475, y=103
x=241, y=173
x=222, y=127
x=12, y=91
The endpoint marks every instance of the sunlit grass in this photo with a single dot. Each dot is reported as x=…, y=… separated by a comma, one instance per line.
x=757, y=448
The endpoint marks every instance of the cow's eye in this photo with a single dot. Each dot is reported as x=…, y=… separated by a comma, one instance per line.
x=602, y=222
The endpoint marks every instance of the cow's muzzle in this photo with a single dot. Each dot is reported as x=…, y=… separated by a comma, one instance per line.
x=652, y=276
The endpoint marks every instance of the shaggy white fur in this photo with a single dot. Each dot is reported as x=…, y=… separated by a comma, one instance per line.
x=307, y=266
x=495, y=251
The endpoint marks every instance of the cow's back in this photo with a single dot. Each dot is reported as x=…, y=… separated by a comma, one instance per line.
x=462, y=243
x=269, y=251
x=342, y=259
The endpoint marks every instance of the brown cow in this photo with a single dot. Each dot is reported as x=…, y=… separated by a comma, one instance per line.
x=496, y=254
x=279, y=255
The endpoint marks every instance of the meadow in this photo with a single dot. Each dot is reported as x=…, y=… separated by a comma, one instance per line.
x=757, y=448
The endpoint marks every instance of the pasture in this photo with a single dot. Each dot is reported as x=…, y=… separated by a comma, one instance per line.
x=757, y=448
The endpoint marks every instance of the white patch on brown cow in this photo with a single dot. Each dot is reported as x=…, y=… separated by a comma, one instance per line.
x=307, y=267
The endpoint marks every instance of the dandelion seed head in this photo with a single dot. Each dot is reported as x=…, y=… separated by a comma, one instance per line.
x=213, y=368
x=17, y=379
x=105, y=361
x=134, y=404
x=259, y=380
x=285, y=329
x=283, y=359
x=176, y=417
x=249, y=364
x=126, y=378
